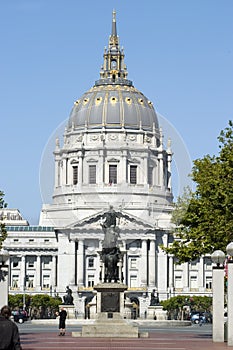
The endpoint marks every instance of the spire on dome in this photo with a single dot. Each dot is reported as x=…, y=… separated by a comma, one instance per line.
x=114, y=29
x=114, y=70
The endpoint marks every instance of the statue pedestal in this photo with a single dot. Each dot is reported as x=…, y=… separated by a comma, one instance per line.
x=70, y=310
x=110, y=297
x=156, y=313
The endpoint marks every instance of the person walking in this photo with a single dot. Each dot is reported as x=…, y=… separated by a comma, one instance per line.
x=62, y=321
x=9, y=333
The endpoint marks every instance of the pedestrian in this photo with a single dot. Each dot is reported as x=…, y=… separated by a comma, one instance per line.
x=9, y=333
x=62, y=321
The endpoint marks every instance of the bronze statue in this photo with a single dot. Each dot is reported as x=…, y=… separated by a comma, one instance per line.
x=68, y=298
x=110, y=252
x=154, y=299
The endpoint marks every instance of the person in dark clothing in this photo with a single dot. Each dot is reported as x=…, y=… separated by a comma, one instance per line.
x=9, y=333
x=62, y=321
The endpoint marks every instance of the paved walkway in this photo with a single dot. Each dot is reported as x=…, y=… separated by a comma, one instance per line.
x=157, y=340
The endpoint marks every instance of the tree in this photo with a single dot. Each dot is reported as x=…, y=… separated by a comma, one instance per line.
x=177, y=306
x=3, y=231
x=207, y=224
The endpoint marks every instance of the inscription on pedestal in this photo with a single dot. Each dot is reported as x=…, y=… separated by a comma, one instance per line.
x=110, y=302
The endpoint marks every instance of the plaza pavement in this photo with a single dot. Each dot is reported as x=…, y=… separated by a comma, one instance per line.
x=158, y=339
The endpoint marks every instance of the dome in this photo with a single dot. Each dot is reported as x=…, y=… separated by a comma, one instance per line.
x=113, y=106
x=113, y=102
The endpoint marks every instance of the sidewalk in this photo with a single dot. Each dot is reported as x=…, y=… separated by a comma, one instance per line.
x=157, y=340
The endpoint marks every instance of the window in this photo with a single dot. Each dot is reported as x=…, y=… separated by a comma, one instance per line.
x=46, y=281
x=75, y=175
x=150, y=176
x=133, y=263
x=90, y=262
x=178, y=281
x=31, y=281
x=133, y=281
x=92, y=174
x=193, y=282
x=112, y=174
x=15, y=263
x=15, y=281
x=133, y=174
x=46, y=262
x=208, y=282
x=90, y=280
x=31, y=263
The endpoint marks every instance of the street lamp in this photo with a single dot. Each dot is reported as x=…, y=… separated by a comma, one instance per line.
x=4, y=256
x=229, y=250
x=218, y=258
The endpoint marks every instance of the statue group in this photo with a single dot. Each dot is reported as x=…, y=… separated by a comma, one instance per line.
x=110, y=251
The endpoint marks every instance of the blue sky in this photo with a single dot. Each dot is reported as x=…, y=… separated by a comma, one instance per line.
x=179, y=53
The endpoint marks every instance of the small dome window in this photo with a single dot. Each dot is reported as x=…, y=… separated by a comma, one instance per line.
x=128, y=100
x=77, y=102
x=85, y=101
x=113, y=99
x=150, y=103
x=140, y=100
x=98, y=100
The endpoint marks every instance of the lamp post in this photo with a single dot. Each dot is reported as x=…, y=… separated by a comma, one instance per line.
x=229, y=250
x=218, y=258
x=4, y=283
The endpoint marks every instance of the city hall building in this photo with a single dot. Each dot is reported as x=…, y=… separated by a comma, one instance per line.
x=112, y=154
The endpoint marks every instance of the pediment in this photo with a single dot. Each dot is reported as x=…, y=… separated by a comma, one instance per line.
x=124, y=222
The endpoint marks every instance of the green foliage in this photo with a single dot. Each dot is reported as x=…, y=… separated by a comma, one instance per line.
x=3, y=231
x=196, y=303
x=37, y=301
x=205, y=220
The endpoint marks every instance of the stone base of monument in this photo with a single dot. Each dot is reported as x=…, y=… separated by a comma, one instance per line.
x=156, y=313
x=69, y=309
x=109, y=325
x=110, y=297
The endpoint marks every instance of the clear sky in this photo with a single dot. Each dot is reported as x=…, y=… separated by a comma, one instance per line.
x=179, y=53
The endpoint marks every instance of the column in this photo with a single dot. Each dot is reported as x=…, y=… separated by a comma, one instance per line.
x=201, y=274
x=145, y=171
x=171, y=272
x=38, y=273
x=186, y=276
x=144, y=263
x=100, y=172
x=80, y=168
x=54, y=271
x=56, y=173
x=218, y=304
x=64, y=171
x=160, y=158
x=162, y=272
x=152, y=263
x=23, y=272
x=123, y=165
x=80, y=261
